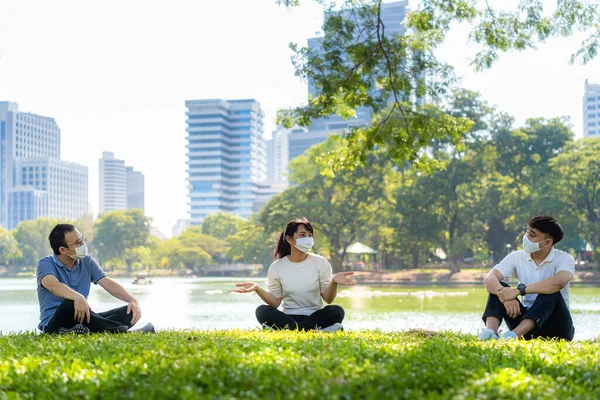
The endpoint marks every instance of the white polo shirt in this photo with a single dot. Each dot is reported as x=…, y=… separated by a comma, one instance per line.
x=520, y=265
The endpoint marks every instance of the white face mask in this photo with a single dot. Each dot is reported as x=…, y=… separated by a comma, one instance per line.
x=80, y=252
x=529, y=246
x=304, y=244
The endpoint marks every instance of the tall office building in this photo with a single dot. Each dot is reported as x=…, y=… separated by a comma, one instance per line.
x=113, y=183
x=226, y=156
x=179, y=226
x=591, y=110
x=26, y=203
x=29, y=164
x=22, y=135
x=392, y=16
x=278, y=154
x=298, y=140
x=65, y=182
x=135, y=189
x=121, y=187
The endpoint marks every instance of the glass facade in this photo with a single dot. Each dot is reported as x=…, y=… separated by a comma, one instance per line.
x=26, y=203
x=226, y=156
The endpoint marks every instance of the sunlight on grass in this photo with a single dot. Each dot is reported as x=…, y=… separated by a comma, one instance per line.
x=241, y=364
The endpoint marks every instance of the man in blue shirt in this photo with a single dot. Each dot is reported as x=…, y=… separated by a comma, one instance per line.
x=64, y=281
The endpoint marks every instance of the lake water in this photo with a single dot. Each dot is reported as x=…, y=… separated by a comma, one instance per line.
x=208, y=303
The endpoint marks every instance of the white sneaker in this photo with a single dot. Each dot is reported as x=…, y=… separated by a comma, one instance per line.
x=266, y=327
x=487, y=334
x=333, y=328
x=510, y=335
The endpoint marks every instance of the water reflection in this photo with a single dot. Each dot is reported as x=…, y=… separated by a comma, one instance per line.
x=201, y=303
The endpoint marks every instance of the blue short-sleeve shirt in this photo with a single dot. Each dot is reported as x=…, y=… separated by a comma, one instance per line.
x=78, y=278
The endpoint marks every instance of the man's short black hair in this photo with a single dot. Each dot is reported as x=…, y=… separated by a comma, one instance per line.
x=57, y=236
x=548, y=225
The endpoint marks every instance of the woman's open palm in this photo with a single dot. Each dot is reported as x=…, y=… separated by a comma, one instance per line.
x=344, y=278
x=246, y=287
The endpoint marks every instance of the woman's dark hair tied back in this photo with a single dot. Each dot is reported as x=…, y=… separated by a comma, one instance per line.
x=282, y=247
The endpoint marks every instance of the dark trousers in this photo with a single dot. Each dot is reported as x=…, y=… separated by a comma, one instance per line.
x=549, y=312
x=322, y=318
x=110, y=321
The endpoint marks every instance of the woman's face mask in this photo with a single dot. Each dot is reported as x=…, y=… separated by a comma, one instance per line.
x=304, y=244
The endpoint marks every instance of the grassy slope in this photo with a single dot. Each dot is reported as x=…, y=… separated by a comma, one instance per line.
x=252, y=364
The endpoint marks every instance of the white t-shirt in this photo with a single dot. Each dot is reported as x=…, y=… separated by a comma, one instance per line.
x=300, y=284
x=520, y=265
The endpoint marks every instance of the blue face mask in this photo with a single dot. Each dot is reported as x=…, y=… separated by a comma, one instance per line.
x=304, y=244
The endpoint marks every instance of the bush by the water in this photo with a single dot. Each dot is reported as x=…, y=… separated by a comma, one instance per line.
x=283, y=365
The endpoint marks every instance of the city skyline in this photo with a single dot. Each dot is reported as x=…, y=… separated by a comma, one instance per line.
x=34, y=180
x=129, y=87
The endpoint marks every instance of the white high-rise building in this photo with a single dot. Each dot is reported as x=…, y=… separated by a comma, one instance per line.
x=65, y=182
x=30, y=163
x=135, y=189
x=591, y=110
x=278, y=154
x=179, y=226
x=226, y=156
x=121, y=187
x=113, y=183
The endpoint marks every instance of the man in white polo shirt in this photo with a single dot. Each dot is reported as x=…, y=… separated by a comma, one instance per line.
x=544, y=274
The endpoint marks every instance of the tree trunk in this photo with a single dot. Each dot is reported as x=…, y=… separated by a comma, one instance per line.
x=415, y=257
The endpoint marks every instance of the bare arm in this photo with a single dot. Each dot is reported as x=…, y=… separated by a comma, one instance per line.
x=341, y=278
x=550, y=285
x=267, y=297
x=331, y=293
x=82, y=308
x=59, y=289
x=115, y=289
x=118, y=291
x=547, y=286
x=492, y=281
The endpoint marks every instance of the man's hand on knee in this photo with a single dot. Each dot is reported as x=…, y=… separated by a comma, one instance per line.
x=513, y=308
x=82, y=309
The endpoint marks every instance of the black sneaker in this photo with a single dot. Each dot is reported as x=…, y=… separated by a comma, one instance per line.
x=118, y=329
x=78, y=329
x=148, y=328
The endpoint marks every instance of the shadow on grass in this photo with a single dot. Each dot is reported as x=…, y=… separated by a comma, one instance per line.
x=280, y=365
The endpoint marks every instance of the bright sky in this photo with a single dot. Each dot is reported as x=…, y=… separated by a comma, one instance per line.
x=115, y=76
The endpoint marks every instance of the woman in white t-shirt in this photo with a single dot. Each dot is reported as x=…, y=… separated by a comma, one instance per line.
x=299, y=281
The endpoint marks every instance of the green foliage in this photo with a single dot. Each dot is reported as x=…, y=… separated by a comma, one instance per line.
x=118, y=231
x=32, y=237
x=9, y=248
x=282, y=365
x=360, y=64
x=475, y=204
x=193, y=237
x=251, y=245
x=342, y=208
x=577, y=174
x=190, y=257
x=221, y=225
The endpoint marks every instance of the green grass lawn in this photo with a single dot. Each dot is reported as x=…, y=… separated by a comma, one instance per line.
x=283, y=365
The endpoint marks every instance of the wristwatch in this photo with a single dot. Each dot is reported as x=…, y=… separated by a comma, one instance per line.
x=522, y=287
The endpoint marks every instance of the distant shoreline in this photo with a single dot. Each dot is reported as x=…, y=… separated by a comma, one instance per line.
x=411, y=277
